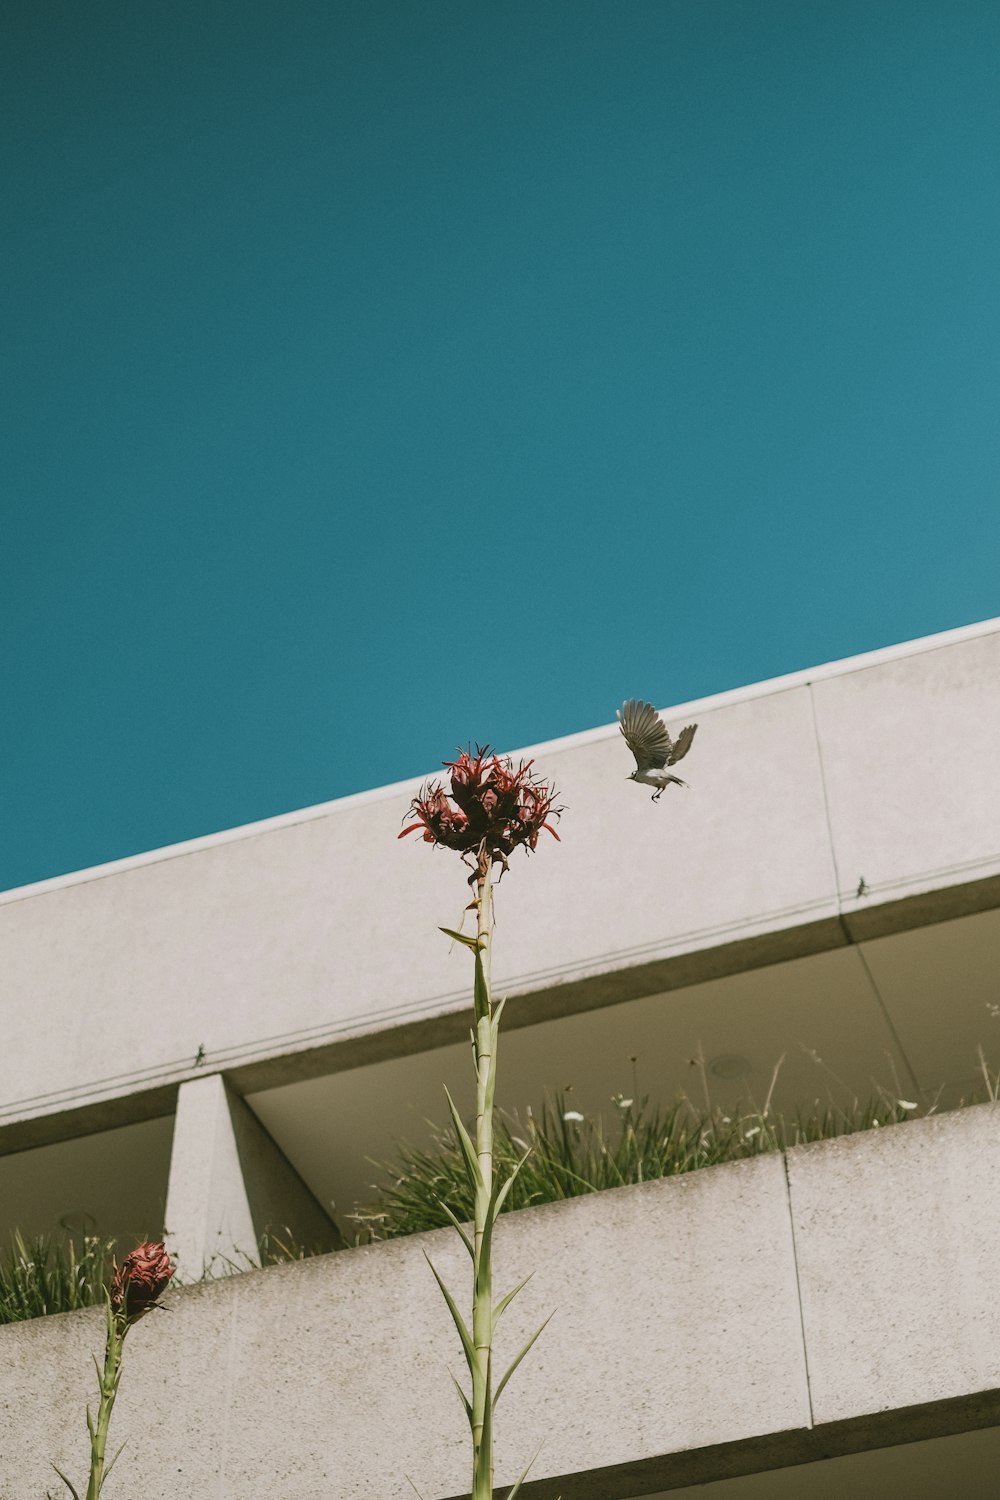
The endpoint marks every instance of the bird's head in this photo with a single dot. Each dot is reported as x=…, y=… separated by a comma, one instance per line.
x=631, y=776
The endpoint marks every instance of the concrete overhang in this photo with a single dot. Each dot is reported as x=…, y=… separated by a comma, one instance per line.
x=743, y=1318
x=845, y=806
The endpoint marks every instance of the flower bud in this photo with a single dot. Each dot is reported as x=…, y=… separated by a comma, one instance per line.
x=141, y=1278
x=497, y=808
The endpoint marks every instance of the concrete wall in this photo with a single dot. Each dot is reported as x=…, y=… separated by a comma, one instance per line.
x=744, y=1317
x=230, y=1186
x=310, y=943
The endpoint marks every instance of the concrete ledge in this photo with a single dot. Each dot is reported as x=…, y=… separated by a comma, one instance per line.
x=677, y=1471
x=896, y=1236
x=679, y=1353
x=309, y=944
x=251, y=1068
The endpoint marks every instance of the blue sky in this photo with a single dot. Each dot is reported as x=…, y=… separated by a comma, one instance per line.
x=380, y=377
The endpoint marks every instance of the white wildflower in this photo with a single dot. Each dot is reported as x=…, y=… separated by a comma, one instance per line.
x=572, y=1114
x=907, y=1103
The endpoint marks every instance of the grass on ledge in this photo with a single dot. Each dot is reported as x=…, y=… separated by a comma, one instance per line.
x=56, y=1273
x=571, y=1155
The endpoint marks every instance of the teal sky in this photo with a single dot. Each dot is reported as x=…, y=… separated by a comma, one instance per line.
x=380, y=377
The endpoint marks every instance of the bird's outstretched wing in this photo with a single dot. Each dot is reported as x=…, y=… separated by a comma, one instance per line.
x=646, y=735
x=682, y=744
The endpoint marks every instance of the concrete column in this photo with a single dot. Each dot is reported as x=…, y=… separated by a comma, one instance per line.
x=230, y=1183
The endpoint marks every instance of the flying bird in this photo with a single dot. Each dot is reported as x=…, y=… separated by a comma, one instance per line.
x=647, y=738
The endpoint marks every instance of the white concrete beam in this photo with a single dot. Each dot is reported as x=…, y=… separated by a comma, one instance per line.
x=680, y=1351
x=230, y=1184
x=831, y=807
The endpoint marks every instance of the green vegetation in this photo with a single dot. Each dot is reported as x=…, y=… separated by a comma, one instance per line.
x=56, y=1273
x=571, y=1154
x=52, y=1274
x=422, y=1188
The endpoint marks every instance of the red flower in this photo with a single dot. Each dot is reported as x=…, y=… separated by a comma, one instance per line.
x=141, y=1278
x=492, y=810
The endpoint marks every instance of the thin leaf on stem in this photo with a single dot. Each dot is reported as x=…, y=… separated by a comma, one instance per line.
x=460, y=937
x=465, y=1141
x=500, y=1196
x=459, y=1321
x=464, y=1398
x=517, y=1360
x=457, y=1224
x=523, y=1474
x=508, y=1299
x=68, y=1483
x=481, y=989
x=111, y=1465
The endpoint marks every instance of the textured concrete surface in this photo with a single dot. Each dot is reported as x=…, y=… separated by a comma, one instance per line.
x=897, y=1237
x=679, y=1351
x=229, y=1185
x=311, y=943
x=328, y=1378
x=909, y=760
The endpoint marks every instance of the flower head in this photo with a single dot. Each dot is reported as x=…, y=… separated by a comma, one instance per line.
x=492, y=808
x=141, y=1278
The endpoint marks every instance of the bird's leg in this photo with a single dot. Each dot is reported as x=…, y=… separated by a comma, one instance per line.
x=657, y=795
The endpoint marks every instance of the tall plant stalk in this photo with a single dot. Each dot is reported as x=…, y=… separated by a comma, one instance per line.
x=135, y=1288
x=488, y=1195
x=107, y=1380
x=496, y=810
x=485, y=1049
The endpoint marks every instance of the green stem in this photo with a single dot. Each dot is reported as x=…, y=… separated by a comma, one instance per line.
x=482, y=1299
x=108, y=1383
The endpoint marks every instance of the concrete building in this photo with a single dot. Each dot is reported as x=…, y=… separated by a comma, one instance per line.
x=218, y=1036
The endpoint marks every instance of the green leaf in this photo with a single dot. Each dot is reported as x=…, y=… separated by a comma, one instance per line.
x=459, y=1321
x=111, y=1465
x=515, y=1362
x=506, y=1301
x=456, y=1223
x=524, y=1474
x=500, y=1196
x=493, y=1208
x=66, y=1482
x=472, y=1170
x=481, y=993
x=465, y=1400
x=460, y=937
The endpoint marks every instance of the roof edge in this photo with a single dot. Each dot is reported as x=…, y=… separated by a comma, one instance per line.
x=750, y=691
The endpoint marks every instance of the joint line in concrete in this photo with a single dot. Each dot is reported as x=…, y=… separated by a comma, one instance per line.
x=229, y=1395
x=798, y=1288
x=912, y=1079
x=826, y=801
